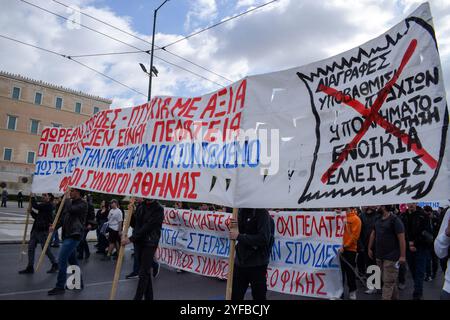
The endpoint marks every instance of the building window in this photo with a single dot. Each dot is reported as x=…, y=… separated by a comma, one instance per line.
x=34, y=127
x=12, y=123
x=96, y=110
x=16, y=93
x=56, y=125
x=78, y=107
x=38, y=98
x=7, y=154
x=59, y=103
x=30, y=157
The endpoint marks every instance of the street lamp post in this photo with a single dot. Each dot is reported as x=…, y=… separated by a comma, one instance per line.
x=151, y=54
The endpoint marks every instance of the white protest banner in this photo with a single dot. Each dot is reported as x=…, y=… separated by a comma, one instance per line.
x=366, y=127
x=304, y=257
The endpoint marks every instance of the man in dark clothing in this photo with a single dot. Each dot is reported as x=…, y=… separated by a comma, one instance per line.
x=419, y=239
x=72, y=221
x=368, y=217
x=432, y=261
x=388, y=236
x=39, y=232
x=253, y=234
x=149, y=217
x=90, y=224
x=20, y=199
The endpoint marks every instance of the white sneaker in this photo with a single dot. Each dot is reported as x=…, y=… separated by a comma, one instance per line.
x=352, y=295
x=370, y=291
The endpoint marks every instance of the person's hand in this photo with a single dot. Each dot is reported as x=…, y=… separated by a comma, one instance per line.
x=89, y=227
x=402, y=260
x=51, y=229
x=370, y=254
x=341, y=250
x=125, y=241
x=234, y=233
x=447, y=231
x=412, y=248
x=67, y=193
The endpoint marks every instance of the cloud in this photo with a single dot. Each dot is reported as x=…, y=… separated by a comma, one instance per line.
x=199, y=12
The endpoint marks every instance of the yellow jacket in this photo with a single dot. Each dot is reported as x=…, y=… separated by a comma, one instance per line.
x=352, y=231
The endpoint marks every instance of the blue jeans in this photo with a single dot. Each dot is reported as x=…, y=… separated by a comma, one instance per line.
x=55, y=238
x=67, y=254
x=417, y=262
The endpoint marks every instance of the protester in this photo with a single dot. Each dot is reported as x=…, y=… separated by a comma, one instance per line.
x=432, y=261
x=90, y=224
x=390, y=249
x=4, y=197
x=72, y=222
x=442, y=250
x=39, y=232
x=145, y=236
x=419, y=241
x=135, y=273
x=115, y=223
x=20, y=199
x=368, y=217
x=253, y=231
x=102, y=218
x=348, y=251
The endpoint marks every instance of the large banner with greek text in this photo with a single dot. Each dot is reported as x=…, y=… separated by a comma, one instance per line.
x=304, y=257
x=366, y=127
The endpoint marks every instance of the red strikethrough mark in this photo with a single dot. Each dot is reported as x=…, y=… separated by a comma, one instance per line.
x=373, y=116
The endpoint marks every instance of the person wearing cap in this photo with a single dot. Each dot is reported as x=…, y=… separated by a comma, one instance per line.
x=72, y=221
x=39, y=232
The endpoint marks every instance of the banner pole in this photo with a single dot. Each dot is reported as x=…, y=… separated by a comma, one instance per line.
x=22, y=249
x=231, y=260
x=121, y=250
x=50, y=234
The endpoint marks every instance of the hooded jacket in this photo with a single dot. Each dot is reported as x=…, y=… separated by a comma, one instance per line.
x=352, y=231
x=147, y=224
x=254, y=238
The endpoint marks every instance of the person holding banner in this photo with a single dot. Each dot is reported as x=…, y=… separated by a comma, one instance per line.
x=72, y=221
x=253, y=231
x=39, y=232
x=146, y=234
x=348, y=251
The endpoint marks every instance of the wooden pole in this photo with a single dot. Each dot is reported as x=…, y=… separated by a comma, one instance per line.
x=126, y=226
x=231, y=259
x=22, y=249
x=50, y=234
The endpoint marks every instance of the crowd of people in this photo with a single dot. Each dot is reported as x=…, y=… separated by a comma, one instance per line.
x=396, y=238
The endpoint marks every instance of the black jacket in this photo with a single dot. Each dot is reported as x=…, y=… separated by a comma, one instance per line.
x=73, y=218
x=253, y=242
x=44, y=217
x=417, y=223
x=147, y=224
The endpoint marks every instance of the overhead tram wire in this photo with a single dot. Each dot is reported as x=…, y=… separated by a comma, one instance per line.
x=130, y=45
x=70, y=58
x=142, y=39
x=217, y=24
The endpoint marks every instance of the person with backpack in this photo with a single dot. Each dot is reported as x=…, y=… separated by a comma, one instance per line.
x=388, y=236
x=254, y=235
x=442, y=250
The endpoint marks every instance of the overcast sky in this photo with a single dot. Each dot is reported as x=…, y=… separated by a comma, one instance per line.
x=285, y=34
